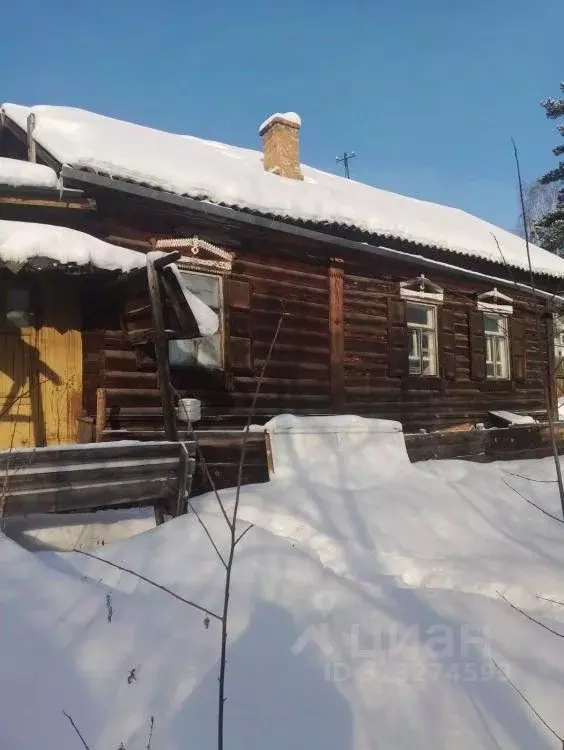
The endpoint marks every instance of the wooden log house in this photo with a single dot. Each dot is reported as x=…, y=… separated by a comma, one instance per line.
x=391, y=307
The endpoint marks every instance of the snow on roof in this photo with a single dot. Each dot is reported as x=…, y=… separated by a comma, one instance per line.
x=26, y=245
x=235, y=177
x=15, y=173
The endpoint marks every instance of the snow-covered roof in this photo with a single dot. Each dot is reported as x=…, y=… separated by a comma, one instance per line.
x=235, y=177
x=15, y=173
x=38, y=246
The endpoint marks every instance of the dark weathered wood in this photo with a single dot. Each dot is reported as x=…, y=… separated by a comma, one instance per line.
x=397, y=339
x=161, y=350
x=336, y=336
x=477, y=345
x=107, y=475
x=447, y=343
x=100, y=412
x=238, y=294
x=31, y=146
x=518, y=350
x=160, y=261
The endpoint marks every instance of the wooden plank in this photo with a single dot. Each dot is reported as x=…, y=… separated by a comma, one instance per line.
x=103, y=453
x=100, y=413
x=97, y=476
x=31, y=146
x=161, y=353
x=86, y=497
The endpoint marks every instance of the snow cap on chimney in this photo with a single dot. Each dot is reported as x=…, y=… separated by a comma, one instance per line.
x=281, y=144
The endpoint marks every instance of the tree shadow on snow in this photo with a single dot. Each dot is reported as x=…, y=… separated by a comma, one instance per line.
x=275, y=698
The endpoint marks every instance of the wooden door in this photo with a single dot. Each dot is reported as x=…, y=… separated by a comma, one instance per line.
x=16, y=390
x=41, y=369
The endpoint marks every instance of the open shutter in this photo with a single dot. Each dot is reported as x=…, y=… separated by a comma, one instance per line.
x=477, y=345
x=397, y=339
x=239, y=347
x=447, y=344
x=518, y=350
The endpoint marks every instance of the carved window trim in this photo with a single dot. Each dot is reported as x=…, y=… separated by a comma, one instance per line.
x=496, y=302
x=222, y=261
x=421, y=289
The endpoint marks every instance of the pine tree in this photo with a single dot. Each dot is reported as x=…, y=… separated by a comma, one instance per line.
x=549, y=230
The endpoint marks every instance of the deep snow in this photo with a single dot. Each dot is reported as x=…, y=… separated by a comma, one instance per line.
x=16, y=173
x=234, y=176
x=365, y=613
x=25, y=245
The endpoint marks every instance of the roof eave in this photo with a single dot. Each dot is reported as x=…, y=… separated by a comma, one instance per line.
x=234, y=215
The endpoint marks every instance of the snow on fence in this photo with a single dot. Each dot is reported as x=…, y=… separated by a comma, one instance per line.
x=96, y=476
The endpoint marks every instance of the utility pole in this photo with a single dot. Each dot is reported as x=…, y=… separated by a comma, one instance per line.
x=344, y=160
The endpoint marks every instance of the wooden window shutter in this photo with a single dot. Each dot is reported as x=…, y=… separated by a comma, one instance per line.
x=397, y=339
x=447, y=355
x=518, y=350
x=239, y=345
x=477, y=345
x=238, y=294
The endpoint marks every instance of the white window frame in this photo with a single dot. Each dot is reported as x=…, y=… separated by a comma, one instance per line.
x=496, y=354
x=415, y=332
x=220, y=313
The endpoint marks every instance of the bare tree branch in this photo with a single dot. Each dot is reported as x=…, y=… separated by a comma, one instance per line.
x=210, y=479
x=207, y=533
x=76, y=729
x=150, y=738
x=529, y=704
x=532, y=619
x=242, y=534
x=148, y=580
x=531, y=479
x=538, y=507
x=548, y=599
x=205, y=467
x=232, y=527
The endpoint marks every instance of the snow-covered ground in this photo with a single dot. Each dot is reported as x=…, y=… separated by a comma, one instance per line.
x=365, y=613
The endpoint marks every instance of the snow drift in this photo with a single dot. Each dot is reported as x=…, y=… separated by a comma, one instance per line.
x=365, y=614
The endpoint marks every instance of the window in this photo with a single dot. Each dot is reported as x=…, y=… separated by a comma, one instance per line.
x=16, y=308
x=497, y=346
x=422, y=332
x=205, y=351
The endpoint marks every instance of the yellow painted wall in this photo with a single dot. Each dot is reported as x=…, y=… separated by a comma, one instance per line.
x=41, y=372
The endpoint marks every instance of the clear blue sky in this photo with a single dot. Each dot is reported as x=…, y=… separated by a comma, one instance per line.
x=427, y=92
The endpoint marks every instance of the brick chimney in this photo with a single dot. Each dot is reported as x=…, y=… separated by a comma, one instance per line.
x=281, y=144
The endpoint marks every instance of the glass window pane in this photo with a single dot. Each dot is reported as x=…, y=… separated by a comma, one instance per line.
x=489, y=349
x=421, y=315
x=205, y=352
x=503, y=357
x=492, y=323
x=204, y=287
x=17, y=311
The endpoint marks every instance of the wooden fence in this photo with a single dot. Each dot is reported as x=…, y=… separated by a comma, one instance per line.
x=96, y=476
